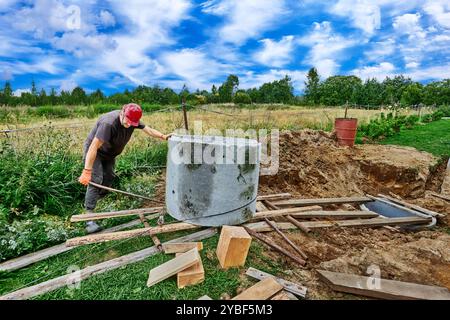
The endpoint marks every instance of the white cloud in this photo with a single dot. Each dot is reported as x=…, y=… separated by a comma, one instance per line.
x=381, y=71
x=275, y=54
x=364, y=14
x=194, y=67
x=408, y=24
x=439, y=10
x=326, y=48
x=412, y=65
x=106, y=19
x=18, y=92
x=250, y=79
x=245, y=19
x=430, y=73
x=83, y=45
x=46, y=64
x=380, y=50
x=67, y=85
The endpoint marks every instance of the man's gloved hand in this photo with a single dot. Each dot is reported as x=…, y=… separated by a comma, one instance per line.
x=85, y=177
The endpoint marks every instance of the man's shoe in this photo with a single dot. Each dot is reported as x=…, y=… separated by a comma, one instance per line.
x=92, y=227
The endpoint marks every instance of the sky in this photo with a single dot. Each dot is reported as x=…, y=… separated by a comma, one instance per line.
x=115, y=45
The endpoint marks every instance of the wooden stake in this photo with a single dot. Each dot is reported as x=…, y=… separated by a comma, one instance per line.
x=118, y=191
x=293, y=245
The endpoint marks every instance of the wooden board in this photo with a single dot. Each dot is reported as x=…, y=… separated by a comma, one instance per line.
x=284, y=295
x=283, y=212
x=87, y=272
x=262, y=226
x=320, y=201
x=376, y=222
x=387, y=289
x=190, y=276
x=115, y=214
x=95, y=238
x=28, y=259
x=181, y=247
x=263, y=290
x=260, y=206
x=278, y=196
x=293, y=212
x=287, y=285
x=172, y=267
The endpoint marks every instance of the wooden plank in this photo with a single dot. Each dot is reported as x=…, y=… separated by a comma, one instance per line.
x=260, y=206
x=376, y=222
x=95, y=238
x=87, y=272
x=172, y=267
x=413, y=206
x=262, y=226
x=441, y=196
x=287, y=285
x=278, y=196
x=298, y=224
x=192, y=275
x=263, y=290
x=320, y=201
x=28, y=259
x=387, y=289
x=283, y=212
x=182, y=247
x=115, y=214
x=284, y=295
x=315, y=214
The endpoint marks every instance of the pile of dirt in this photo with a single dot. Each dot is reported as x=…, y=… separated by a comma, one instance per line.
x=312, y=164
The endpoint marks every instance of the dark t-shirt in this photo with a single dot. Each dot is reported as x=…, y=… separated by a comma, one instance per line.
x=113, y=134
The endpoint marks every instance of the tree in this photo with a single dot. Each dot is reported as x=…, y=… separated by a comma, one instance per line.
x=312, y=94
x=228, y=88
x=78, y=96
x=338, y=90
x=7, y=90
x=242, y=98
x=96, y=96
x=412, y=95
x=394, y=87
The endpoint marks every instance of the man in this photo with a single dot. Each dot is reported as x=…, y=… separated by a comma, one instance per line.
x=105, y=142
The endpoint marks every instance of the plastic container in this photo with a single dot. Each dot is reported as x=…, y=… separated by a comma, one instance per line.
x=212, y=181
x=346, y=131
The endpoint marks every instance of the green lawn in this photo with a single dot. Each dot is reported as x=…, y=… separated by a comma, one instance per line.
x=433, y=137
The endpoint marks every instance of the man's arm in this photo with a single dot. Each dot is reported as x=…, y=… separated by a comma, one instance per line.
x=91, y=154
x=156, y=134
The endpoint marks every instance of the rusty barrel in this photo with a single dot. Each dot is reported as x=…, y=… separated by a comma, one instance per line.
x=346, y=131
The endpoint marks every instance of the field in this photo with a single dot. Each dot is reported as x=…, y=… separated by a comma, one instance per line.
x=45, y=163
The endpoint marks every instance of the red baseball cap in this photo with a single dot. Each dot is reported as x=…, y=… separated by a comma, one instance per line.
x=133, y=112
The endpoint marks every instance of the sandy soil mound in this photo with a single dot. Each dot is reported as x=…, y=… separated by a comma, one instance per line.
x=312, y=164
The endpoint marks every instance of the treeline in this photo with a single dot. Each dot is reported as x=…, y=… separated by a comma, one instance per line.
x=333, y=91
x=399, y=90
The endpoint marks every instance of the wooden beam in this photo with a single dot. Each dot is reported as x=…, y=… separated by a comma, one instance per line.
x=298, y=224
x=294, y=212
x=386, y=289
x=260, y=206
x=263, y=290
x=283, y=212
x=320, y=201
x=278, y=196
x=95, y=238
x=376, y=222
x=173, y=266
x=284, y=295
x=87, y=272
x=233, y=246
x=181, y=247
x=287, y=285
x=412, y=206
x=28, y=259
x=289, y=241
x=154, y=238
x=262, y=226
x=441, y=196
x=115, y=214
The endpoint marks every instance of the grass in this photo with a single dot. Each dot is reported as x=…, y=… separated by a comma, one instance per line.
x=129, y=282
x=433, y=137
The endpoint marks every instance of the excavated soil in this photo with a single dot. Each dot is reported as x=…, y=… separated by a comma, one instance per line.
x=313, y=165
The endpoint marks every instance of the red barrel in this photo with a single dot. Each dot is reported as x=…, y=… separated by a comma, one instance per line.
x=346, y=130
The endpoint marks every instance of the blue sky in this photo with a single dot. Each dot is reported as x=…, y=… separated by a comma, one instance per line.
x=113, y=45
